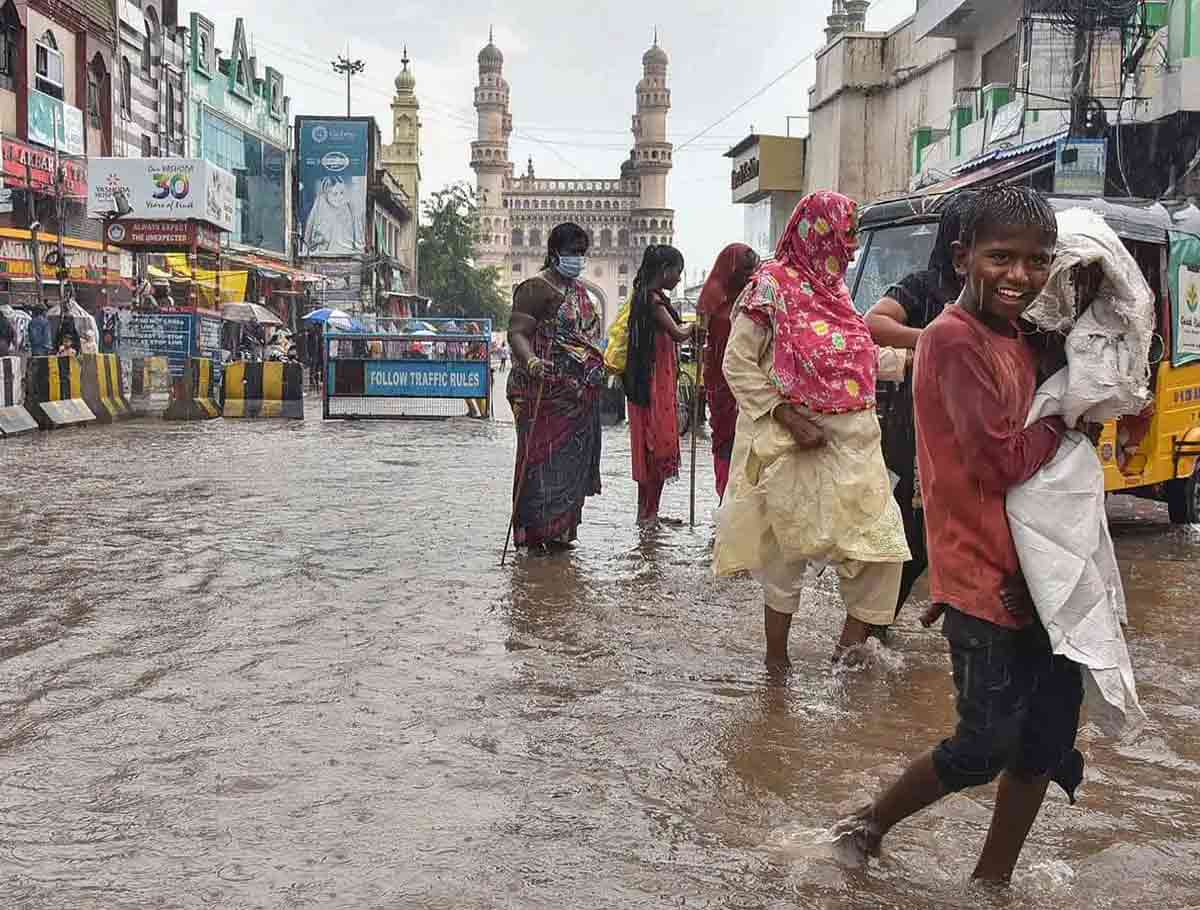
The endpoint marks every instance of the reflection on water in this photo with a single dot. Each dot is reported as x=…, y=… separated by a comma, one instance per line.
x=277, y=665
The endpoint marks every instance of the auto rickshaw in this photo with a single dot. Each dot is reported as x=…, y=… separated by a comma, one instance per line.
x=896, y=237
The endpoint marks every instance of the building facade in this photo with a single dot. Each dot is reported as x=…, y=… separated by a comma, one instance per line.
x=56, y=65
x=622, y=214
x=402, y=161
x=149, y=81
x=963, y=93
x=239, y=120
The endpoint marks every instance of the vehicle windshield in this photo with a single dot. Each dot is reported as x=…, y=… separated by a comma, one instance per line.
x=890, y=254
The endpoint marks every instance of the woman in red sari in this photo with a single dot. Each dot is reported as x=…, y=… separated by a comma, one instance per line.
x=730, y=274
x=650, y=375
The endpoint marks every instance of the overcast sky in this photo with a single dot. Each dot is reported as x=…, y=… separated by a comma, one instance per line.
x=572, y=71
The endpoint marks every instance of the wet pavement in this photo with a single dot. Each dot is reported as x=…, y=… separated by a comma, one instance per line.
x=265, y=664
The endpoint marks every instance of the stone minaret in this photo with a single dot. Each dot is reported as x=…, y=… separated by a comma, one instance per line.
x=402, y=158
x=489, y=157
x=651, y=151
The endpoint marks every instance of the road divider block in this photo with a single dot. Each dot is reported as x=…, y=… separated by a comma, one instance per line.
x=192, y=396
x=264, y=389
x=149, y=386
x=102, y=389
x=55, y=394
x=14, y=419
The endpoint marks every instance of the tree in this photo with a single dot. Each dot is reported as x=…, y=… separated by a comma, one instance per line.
x=446, y=243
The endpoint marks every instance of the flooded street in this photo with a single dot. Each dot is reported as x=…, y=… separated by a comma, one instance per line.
x=266, y=664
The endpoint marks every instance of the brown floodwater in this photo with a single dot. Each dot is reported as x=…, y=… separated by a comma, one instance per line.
x=267, y=664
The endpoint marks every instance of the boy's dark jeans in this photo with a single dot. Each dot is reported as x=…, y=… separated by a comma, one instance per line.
x=1018, y=706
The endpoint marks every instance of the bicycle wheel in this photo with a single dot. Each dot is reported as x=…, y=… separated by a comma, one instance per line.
x=686, y=395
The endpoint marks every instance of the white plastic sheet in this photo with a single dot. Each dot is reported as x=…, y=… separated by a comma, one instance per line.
x=1058, y=518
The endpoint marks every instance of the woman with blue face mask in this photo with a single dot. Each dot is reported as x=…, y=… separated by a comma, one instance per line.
x=554, y=389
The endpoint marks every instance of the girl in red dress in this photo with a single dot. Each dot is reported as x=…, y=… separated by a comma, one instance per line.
x=655, y=329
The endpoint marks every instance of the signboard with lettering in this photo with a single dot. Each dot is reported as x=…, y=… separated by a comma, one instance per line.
x=162, y=236
x=26, y=166
x=171, y=189
x=1080, y=166
x=426, y=379
x=85, y=265
x=176, y=336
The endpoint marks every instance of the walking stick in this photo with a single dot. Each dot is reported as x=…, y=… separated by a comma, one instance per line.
x=512, y=521
x=698, y=390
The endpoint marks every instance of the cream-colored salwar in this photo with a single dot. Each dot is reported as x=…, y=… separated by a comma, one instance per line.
x=788, y=509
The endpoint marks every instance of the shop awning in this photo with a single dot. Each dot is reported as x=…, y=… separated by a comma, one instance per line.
x=273, y=268
x=998, y=165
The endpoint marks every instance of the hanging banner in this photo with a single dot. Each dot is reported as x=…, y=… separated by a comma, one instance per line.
x=1185, y=297
x=334, y=157
x=45, y=113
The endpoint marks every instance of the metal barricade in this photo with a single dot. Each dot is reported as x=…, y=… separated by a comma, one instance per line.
x=437, y=371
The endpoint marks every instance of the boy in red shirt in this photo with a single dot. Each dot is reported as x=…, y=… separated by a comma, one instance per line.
x=1018, y=703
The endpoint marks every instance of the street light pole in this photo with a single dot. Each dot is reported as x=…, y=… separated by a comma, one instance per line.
x=350, y=68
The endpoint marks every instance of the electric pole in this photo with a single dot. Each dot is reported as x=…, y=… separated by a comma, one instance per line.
x=344, y=65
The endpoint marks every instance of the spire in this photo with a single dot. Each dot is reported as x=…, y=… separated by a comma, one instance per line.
x=491, y=34
x=656, y=36
x=404, y=59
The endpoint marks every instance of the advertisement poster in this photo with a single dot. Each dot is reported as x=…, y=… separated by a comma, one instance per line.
x=1184, y=276
x=163, y=188
x=333, y=160
x=45, y=112
x=1188, y=343
x=422, y=379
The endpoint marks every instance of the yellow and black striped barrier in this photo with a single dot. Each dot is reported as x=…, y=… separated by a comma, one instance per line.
x=102, y=387
x=55, y=396
x=192, y=393
x=149, y=385
x=14, y=419
x=264, y=389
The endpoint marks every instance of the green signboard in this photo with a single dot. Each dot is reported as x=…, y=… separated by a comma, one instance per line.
x=1185, y=297
x=45, y=113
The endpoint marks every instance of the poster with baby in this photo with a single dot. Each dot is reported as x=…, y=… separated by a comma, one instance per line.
x=334, y=161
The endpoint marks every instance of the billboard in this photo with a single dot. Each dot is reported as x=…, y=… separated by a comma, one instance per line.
x=163, y=188
x=334, y=157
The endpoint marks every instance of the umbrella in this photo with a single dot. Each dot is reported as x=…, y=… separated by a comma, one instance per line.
x=325, y=314
x=249, y=312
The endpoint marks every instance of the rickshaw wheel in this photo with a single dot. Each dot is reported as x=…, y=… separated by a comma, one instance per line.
x=1183, y=498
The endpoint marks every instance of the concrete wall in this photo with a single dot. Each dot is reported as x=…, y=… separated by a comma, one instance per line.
x=871, y=92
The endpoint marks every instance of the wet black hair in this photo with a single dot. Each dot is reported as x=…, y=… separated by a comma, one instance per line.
x=639, y=365
x=656, y=260
x=941, y=260
x=563, y=236
x=1004, y=207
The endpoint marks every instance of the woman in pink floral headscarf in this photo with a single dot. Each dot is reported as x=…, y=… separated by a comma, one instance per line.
x=808, y=486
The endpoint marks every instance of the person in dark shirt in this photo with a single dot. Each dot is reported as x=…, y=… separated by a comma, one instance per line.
x=897, y=321
x=41, y=336
x=1018, y=704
